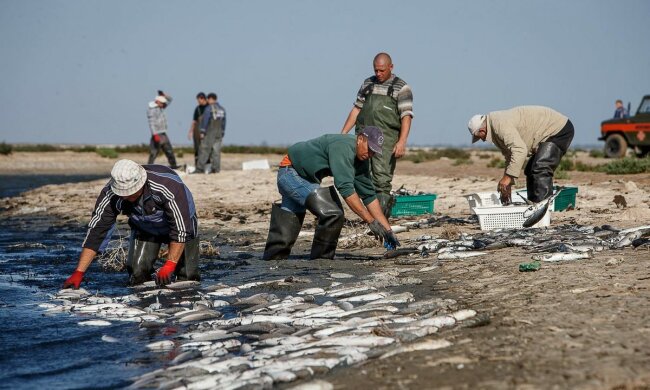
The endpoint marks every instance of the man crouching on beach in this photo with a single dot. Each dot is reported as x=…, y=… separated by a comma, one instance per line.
x=160, y=209
x=345, y=158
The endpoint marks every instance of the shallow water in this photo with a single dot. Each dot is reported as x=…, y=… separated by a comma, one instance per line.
x=12, y=185
x=53, y=351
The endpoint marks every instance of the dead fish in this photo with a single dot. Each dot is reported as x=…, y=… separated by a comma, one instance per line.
x=562, y=256
x=391, y=254
x=536, y=212
x=312, y=291
x=628, y=238
x=182, y=285
x=348, y=291
x=225, y=292
x=366, y=297
x=94, y=323
x=109, y=339
x=164, y=345
x=201, y=316
x=186, y=356
x=641, y=241
x=428, y=345
x=459, y=255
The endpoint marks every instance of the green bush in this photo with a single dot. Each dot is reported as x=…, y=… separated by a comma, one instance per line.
x=263, y=149
x=582, y=167
x=85, y=149
x=37, y=148
x=107, y=152
x=484, y=156
x=5, y=148
x=596, y=153
x=462, y=161
x=628, y=165
x=140, y=148
x=418, y=156
x=496, y=162
x=560, y=174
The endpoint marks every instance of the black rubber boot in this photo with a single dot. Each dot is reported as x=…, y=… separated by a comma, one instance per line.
x=283, y=233
x=539, y=171
x=386, y=201
x=326, y=205
x=188, y=265
x=140, y=260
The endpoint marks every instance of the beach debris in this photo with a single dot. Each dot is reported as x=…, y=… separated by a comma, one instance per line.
x=255, y=164
x=530, y=267
x=619, y=201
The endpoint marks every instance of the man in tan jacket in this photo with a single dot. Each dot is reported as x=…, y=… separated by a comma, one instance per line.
x=539, y=133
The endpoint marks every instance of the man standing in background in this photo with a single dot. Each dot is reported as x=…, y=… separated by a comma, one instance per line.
x=195, y=134
x=385, y=101
x=158, y=126
x=213, y=128
x=620, y=112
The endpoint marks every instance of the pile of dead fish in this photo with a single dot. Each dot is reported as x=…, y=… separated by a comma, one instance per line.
x=566, y=242
x=232, y=338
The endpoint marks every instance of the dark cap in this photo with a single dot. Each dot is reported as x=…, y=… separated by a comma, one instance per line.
x=375, y=138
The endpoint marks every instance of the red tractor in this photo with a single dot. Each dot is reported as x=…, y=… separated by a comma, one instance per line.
x=632, y=132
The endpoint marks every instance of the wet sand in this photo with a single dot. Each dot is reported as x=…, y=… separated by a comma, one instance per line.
x=579, y=324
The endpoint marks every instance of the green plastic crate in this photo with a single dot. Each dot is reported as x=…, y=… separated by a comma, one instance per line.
x=566, y=198
x=413, y=205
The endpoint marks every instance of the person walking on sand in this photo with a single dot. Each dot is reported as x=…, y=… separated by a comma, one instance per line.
x=385, y=101
x=345, y=158
x=194, y=134
x=539, y=133
x=158, y=126
x=160, y=209
x=213, y=129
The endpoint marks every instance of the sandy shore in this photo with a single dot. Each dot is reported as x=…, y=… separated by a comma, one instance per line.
x=580, y=324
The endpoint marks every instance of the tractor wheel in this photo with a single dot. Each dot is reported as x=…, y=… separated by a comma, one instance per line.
x=615, y=146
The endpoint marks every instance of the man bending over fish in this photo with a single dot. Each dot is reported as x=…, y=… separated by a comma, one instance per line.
x=345, y=158
x=539, y=133
x=161, y=210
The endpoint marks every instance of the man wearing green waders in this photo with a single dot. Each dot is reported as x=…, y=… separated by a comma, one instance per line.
x=385, y=101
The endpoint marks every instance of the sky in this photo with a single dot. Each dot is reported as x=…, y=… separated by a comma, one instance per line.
x=83, y=71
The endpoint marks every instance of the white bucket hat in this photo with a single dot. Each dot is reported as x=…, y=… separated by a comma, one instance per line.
x=475, y=123
x=127, y=177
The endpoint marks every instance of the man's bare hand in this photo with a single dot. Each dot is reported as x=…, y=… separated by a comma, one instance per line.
x=400, y=149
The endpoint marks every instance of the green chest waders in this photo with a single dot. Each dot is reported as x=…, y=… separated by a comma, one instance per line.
x=381, y=111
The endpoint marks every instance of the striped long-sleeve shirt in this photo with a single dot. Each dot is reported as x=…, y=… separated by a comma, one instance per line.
x=401, y=92
x=165, y=210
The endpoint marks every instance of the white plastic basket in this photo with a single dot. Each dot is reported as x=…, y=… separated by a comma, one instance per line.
x=487, y=199
x=483, y=199
x=506, y=217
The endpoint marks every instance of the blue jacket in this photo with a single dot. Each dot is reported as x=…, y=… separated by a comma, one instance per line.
x=165, y=210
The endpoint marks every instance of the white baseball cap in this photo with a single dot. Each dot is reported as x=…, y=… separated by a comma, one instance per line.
x=127, y=177
x=161, y=99
x=474, y=124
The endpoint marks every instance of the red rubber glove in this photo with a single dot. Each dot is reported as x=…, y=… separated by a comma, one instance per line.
x=156, y=138
x=164, y=274
x=74, y=280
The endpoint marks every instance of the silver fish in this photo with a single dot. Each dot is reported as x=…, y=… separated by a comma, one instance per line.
x=562, y=256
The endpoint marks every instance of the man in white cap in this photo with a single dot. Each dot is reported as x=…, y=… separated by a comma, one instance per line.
x=538, y=133
x=158, y=126
x=345, y=158
x=160, y=209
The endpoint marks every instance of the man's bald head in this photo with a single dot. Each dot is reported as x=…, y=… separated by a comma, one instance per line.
x=383, y=66
x=382, y=58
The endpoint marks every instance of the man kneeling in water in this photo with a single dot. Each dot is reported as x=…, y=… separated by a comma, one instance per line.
x=161, y=210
